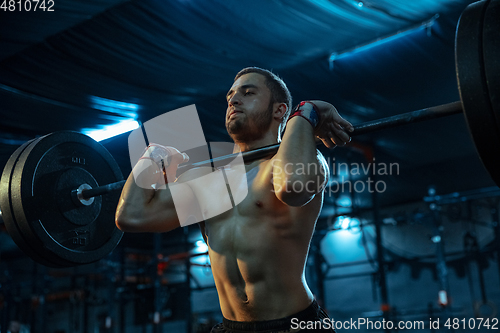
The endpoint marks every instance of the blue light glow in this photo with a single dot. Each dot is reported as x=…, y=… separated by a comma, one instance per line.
x=344, y=201
x=110, y=105
x=436, y=239
x=122, y=113
x=106, y=132
x=342, y=222
x=383, y=40
x=345, y=223
x=343, y=246
x=201, y=246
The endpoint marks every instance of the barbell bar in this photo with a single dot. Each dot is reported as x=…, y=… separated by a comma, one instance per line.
x=255, y=154
x=52, y=198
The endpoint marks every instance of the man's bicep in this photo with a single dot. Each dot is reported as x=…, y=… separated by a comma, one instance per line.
x=166, y=211
x=185, y=204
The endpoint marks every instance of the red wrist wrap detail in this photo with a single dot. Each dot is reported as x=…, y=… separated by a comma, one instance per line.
x=308, y=112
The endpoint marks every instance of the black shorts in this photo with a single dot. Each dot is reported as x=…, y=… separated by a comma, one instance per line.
x=311, y=317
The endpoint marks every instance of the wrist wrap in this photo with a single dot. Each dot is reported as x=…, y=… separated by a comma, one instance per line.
x=308, y=111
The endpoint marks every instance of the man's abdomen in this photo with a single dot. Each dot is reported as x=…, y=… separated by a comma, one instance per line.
x=259, y=274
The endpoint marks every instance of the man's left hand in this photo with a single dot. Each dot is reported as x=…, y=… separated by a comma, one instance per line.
x=332, y=129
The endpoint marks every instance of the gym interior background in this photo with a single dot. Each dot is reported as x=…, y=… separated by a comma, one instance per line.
x=428, y=223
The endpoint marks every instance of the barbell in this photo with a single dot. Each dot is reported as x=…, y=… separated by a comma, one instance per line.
x=59, y=192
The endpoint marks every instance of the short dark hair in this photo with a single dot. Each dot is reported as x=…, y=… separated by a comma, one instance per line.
x=278, y=88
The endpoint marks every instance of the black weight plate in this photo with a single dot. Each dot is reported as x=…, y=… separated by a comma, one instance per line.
x=43, y=178
x=66, y=183
x=473, y=87
x=491, y=55
x=6, y=206
x=29, y=245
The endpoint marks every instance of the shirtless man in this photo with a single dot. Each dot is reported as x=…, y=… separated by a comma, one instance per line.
x=259, y=248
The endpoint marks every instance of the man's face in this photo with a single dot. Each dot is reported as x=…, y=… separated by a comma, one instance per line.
x=249, y=108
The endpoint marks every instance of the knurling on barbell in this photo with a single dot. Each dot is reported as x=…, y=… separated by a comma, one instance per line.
x=52, y=187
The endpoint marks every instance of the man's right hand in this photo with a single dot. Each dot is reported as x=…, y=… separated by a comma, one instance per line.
x=158, y=166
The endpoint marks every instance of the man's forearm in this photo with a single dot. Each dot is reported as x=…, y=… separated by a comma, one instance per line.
x=297, y=173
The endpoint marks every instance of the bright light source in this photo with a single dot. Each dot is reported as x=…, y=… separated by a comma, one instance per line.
x=342, y=222
x=122, y=113
x=201, y=246
x=106, y=132
x=360, y=4
x=345, y=223
x=352, y=224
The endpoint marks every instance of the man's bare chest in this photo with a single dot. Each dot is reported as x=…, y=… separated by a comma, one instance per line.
x=242, y=190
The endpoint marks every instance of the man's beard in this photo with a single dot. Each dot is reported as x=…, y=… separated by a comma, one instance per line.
x=251, y=129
